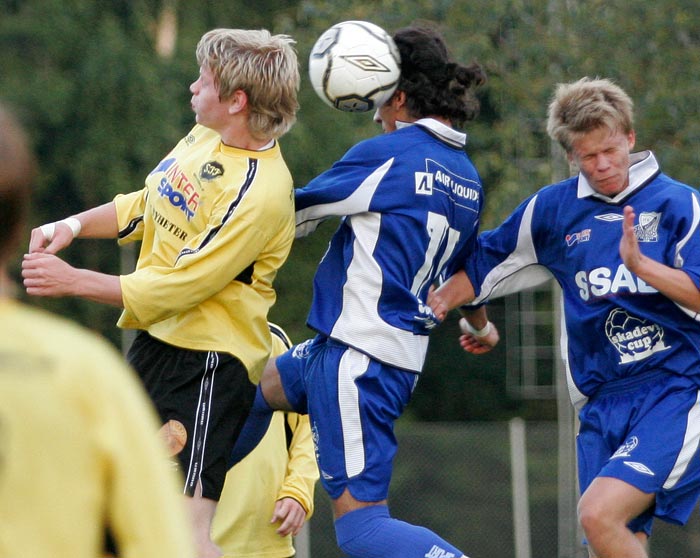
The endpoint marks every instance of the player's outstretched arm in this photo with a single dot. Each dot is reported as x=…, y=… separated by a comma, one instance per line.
x=479, y=335
x=98, y=222
x=47, y=275
x=672, y=282
x=454, y=292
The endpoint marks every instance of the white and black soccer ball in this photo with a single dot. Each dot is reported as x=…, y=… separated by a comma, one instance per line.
x=354, y=66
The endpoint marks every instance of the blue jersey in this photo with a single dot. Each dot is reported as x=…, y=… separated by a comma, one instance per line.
x=410, y=202
x=616, y=326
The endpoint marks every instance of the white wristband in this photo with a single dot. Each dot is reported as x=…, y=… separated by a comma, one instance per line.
x=49, y=229
x=466, y=327
x=73, y=224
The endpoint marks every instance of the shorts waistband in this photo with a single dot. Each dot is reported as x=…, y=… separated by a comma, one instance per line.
x=630, y=383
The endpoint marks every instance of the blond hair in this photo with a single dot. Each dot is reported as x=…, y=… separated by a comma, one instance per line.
x=262, y=65
x=586, y=105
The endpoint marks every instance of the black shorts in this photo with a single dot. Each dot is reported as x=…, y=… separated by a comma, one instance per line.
x=208, y=393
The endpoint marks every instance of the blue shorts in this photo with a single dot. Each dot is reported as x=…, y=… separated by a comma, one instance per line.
x=352, y=402
x=645, y=432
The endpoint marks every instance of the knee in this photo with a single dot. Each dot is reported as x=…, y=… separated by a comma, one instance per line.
x=359, y=532
x=589, y=518
x=271, y=387
x=282, y=394
x=593, y=517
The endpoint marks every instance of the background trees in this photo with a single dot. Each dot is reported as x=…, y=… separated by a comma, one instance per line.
x=103, y=89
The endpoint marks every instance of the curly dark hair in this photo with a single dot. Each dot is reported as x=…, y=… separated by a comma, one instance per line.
x=434, y=84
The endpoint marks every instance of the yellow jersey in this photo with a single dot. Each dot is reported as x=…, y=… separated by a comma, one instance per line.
x=282, y=465
x=241, y=525
x=78, y=454
x=215, y=224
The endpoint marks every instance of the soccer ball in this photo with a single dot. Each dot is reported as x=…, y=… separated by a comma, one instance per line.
x=354, y=66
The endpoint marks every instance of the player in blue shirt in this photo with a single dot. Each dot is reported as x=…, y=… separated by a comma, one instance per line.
x=410, y=201
x=622, y=241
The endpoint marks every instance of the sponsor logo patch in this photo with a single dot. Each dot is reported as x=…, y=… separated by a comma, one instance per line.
x=211, y=170
x=177, y=187
x=626, y=449
x=603, y=281
x=302, y=349
x=648, y=228
x=424, y=183
x=575, y=238
x=437, y=552
x=634, y=338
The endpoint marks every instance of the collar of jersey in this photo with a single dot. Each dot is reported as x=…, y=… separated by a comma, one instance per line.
x=437, y=128
x=643, y=166
x=269, y=150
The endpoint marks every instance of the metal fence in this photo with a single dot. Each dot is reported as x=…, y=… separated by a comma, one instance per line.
x=466, y=481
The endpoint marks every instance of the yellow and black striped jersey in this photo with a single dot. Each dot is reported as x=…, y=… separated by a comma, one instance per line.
x=215, y=224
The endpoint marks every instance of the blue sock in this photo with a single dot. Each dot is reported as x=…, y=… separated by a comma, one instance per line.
x=371, y=533
x=254, y=428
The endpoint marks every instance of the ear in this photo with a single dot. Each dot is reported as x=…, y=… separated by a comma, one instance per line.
x=237, y=102
x=631, y=139
x=398, y=99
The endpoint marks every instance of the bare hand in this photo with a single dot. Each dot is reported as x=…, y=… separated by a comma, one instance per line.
x=62, y=237
x=291, y=515
x=629, y=245
x=437, y=304
x=454, y=292
x=47, y=275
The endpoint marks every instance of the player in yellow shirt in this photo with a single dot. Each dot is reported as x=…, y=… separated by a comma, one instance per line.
x=76, y=455
x=269, y=495
x=215, y=221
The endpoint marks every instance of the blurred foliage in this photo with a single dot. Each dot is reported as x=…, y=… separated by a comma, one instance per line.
x=104, y=99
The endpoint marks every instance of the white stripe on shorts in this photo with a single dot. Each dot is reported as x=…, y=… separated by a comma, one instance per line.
x=353, y=364
x=690, y=445
x=201, y=423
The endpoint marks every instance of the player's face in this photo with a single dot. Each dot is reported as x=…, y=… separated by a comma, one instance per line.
x=604, y=159
x=209, y=110
x=393, y=110
x=386, y=116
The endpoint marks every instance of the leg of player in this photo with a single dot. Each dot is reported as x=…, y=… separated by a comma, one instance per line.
x=605, y=509
x=269, y=397
x=352, y=413
x=202, y=514
x=366, y=530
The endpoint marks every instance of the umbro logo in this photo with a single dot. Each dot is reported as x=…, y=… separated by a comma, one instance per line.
x=366, y=63
x=639, y=467
x=609, y=217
